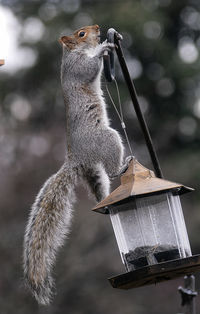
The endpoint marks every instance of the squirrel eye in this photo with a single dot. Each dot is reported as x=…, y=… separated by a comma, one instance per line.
x=81, y=34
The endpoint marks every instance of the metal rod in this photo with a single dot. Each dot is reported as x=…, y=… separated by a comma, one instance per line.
x=138, y=111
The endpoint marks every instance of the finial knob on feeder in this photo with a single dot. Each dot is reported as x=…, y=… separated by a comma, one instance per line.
x=149, y=227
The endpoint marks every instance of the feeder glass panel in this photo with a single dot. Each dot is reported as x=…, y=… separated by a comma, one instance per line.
x=150, y=230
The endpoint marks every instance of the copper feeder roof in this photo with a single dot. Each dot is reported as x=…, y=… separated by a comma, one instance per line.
x=138, y=181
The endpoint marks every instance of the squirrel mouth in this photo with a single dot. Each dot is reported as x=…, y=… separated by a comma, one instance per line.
x=99, y=37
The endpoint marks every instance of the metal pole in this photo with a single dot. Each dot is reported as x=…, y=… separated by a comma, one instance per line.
x=138, y=111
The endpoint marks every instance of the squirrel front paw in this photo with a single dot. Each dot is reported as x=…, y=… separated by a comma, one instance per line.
x=105, y=46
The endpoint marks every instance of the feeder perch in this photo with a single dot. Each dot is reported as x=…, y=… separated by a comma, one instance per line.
x=149, y=227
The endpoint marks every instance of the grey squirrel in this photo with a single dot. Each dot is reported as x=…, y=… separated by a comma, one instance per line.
x=94, y=153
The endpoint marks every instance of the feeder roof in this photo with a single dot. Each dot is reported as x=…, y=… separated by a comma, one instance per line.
x=138, y=181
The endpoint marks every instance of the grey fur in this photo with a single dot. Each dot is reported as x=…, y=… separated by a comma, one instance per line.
x=94, y=153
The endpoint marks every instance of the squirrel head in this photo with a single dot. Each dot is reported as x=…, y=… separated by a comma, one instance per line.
x=85, y=36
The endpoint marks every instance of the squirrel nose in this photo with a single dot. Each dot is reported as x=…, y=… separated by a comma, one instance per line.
x=97, y=27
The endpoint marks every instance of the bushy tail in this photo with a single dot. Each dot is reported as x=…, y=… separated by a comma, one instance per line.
x=48, y=225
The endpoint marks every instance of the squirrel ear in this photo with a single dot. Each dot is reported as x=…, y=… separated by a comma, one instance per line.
x=67, y=41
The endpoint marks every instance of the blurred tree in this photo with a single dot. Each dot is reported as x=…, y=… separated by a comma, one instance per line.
x=161, y=44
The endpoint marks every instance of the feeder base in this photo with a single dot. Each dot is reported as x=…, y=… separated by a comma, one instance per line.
x=156, y=273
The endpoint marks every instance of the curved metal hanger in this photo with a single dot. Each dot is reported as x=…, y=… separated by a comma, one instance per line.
x=108, y=57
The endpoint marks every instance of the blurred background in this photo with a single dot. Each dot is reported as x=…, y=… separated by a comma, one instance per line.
x=161, y=45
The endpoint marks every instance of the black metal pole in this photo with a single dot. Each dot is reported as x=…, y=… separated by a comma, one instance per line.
x=138, y=111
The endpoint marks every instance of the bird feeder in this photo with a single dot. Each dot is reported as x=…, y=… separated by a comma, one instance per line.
x=149, y=227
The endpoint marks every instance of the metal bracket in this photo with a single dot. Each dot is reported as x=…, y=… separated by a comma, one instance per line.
x=188, y=293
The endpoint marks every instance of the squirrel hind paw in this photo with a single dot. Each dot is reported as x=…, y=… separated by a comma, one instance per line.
x=123, y=168
x=126, y=164
x=128, y=159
